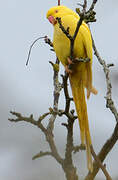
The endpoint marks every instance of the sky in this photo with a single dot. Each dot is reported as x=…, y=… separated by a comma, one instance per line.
x=29, y=90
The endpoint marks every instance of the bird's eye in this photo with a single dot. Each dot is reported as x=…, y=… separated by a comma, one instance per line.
x=56, y=11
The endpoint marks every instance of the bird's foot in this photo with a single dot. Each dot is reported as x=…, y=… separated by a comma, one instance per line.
x=92, y=90
x=69, y=61
x=68, y=70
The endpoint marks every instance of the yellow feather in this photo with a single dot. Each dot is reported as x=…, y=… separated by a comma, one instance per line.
x=81, y=76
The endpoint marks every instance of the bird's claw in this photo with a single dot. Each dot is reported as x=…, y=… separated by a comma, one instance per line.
x=69, y=61
x=67, y=67
x=69, y=71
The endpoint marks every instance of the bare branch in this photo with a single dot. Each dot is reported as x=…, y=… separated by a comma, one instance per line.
x=57, y=89
x=29, y=53
x=69, y=145
x=27, y=119
x=109, y=104
x=84, y=6
x=67, y=162
x=92, y=5
x=68, y=166
x=23, y=118
x=65, y=31
x=89, y=16
x=41, y=154
x=103, y=168
x=65, y=86
x=78, y=148
x=75, y=34
x=48, y=41
x=43, y=116
x=107, y=147
x=109, y=101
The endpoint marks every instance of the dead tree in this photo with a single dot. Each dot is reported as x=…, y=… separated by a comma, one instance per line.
x=67, y=162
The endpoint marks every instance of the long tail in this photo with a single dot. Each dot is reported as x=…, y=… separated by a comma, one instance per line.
x=89, y=87
x=77, y=85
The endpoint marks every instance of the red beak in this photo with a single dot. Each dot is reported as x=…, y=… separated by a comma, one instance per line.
x=52, y=20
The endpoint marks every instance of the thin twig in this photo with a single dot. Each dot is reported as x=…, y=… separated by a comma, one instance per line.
x=41, y=154
x=48, y=41
x=65, y=31
x=75, y=35
x=109, y=100
x=92, y=5
x=43, y=116
x=29, y=53
x=84, y=6
x=29, y=119
x=89, y=16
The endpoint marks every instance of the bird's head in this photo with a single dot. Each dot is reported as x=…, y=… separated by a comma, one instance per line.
x=58, y=11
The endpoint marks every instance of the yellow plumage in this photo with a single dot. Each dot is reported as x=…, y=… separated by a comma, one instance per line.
x=81, y=76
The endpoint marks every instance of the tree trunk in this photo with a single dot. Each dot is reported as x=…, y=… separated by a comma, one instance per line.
x=70, y=173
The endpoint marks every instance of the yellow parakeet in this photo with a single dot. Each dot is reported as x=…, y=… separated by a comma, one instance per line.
x=81, y=75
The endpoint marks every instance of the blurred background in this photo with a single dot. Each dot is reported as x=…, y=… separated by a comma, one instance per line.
x=30, y=89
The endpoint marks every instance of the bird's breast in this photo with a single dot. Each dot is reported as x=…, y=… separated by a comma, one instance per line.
x=61, y=45
x=61, y=42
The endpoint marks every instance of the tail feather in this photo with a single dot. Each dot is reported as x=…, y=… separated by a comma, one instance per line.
x=89, y=157
x=88, y=147
x=77, y=85
x=90, y=88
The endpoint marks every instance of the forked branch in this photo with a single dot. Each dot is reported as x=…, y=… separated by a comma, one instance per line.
x=67, y=161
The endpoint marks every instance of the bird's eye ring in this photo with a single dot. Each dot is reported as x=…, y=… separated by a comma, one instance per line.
x=56, y=11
